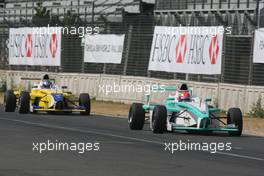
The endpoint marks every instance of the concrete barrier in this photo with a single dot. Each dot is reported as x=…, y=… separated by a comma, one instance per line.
x=223, y=95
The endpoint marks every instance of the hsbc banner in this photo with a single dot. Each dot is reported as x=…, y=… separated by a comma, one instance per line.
x=103, y=48
x=258, y=56
x=195, y=50
x=35, y=46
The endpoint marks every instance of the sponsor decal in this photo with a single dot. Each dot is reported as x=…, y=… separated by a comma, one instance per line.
x=28, y=45
x=181, y=49
x=259, y=46
x=53, y=45
x=214, y=50
x=103, y=48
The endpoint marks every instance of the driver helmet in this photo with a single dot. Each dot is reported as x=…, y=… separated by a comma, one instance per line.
x=184, y=95
x=47, y=84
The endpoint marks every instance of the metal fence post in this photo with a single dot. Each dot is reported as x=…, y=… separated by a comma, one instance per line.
x=108, y=31
x=257, y=14
x=223, y=59
x=127, y=50
x=187, y=77
x=251, y=62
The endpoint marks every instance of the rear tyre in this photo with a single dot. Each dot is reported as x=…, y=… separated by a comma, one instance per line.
x=136, y=116
x=159, y=119
x=9, y=101
x=84, y=100
x=24, y=103
x=234, y=116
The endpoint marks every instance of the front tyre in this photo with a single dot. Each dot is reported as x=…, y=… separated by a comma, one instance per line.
x=136, y=116
x=159, y=119
x=84, y=100
x=24, y=103
x=9, y=101
x=234, y=116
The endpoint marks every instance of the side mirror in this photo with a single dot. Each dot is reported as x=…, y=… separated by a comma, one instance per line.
x=64, y=87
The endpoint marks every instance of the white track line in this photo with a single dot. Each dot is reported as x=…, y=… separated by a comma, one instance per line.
x=82, y=131
x=119, y=136
x=240, y=156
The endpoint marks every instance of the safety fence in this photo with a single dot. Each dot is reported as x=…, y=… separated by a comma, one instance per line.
x=237, y=60
x=103, y=87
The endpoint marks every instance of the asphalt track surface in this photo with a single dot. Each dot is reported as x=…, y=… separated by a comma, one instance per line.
x=122, y=152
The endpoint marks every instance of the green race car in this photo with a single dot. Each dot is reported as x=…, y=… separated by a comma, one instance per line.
x=183, y=111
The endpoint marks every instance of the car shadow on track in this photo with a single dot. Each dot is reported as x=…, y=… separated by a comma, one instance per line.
x=206, y=134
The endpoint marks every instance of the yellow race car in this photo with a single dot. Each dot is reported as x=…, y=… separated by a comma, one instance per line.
x=46, y=97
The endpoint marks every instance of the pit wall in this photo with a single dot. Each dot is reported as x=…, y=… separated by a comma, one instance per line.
x=223, y=95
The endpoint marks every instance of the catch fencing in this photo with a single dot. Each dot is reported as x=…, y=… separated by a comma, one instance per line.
x=237, y=60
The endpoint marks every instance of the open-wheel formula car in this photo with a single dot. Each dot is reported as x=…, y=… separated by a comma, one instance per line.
x=46, y=97
x=183, y=111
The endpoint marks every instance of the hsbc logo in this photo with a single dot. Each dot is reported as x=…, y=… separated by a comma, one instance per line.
x=214, y=50
x=188, y=52
x=31, y=45
x=35, y=46
x=181, y=49
x=53, y=45
x=186, y=49
x=28, y=45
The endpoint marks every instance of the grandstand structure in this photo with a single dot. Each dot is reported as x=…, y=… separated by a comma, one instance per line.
x=243, y=15
x=16, y=11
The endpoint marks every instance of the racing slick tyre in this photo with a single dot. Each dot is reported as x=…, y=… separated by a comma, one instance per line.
x=234, y=116
x=24, y=103
x=84, y=100
x=159, y=118
x=9, y=101
x=136, y=116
